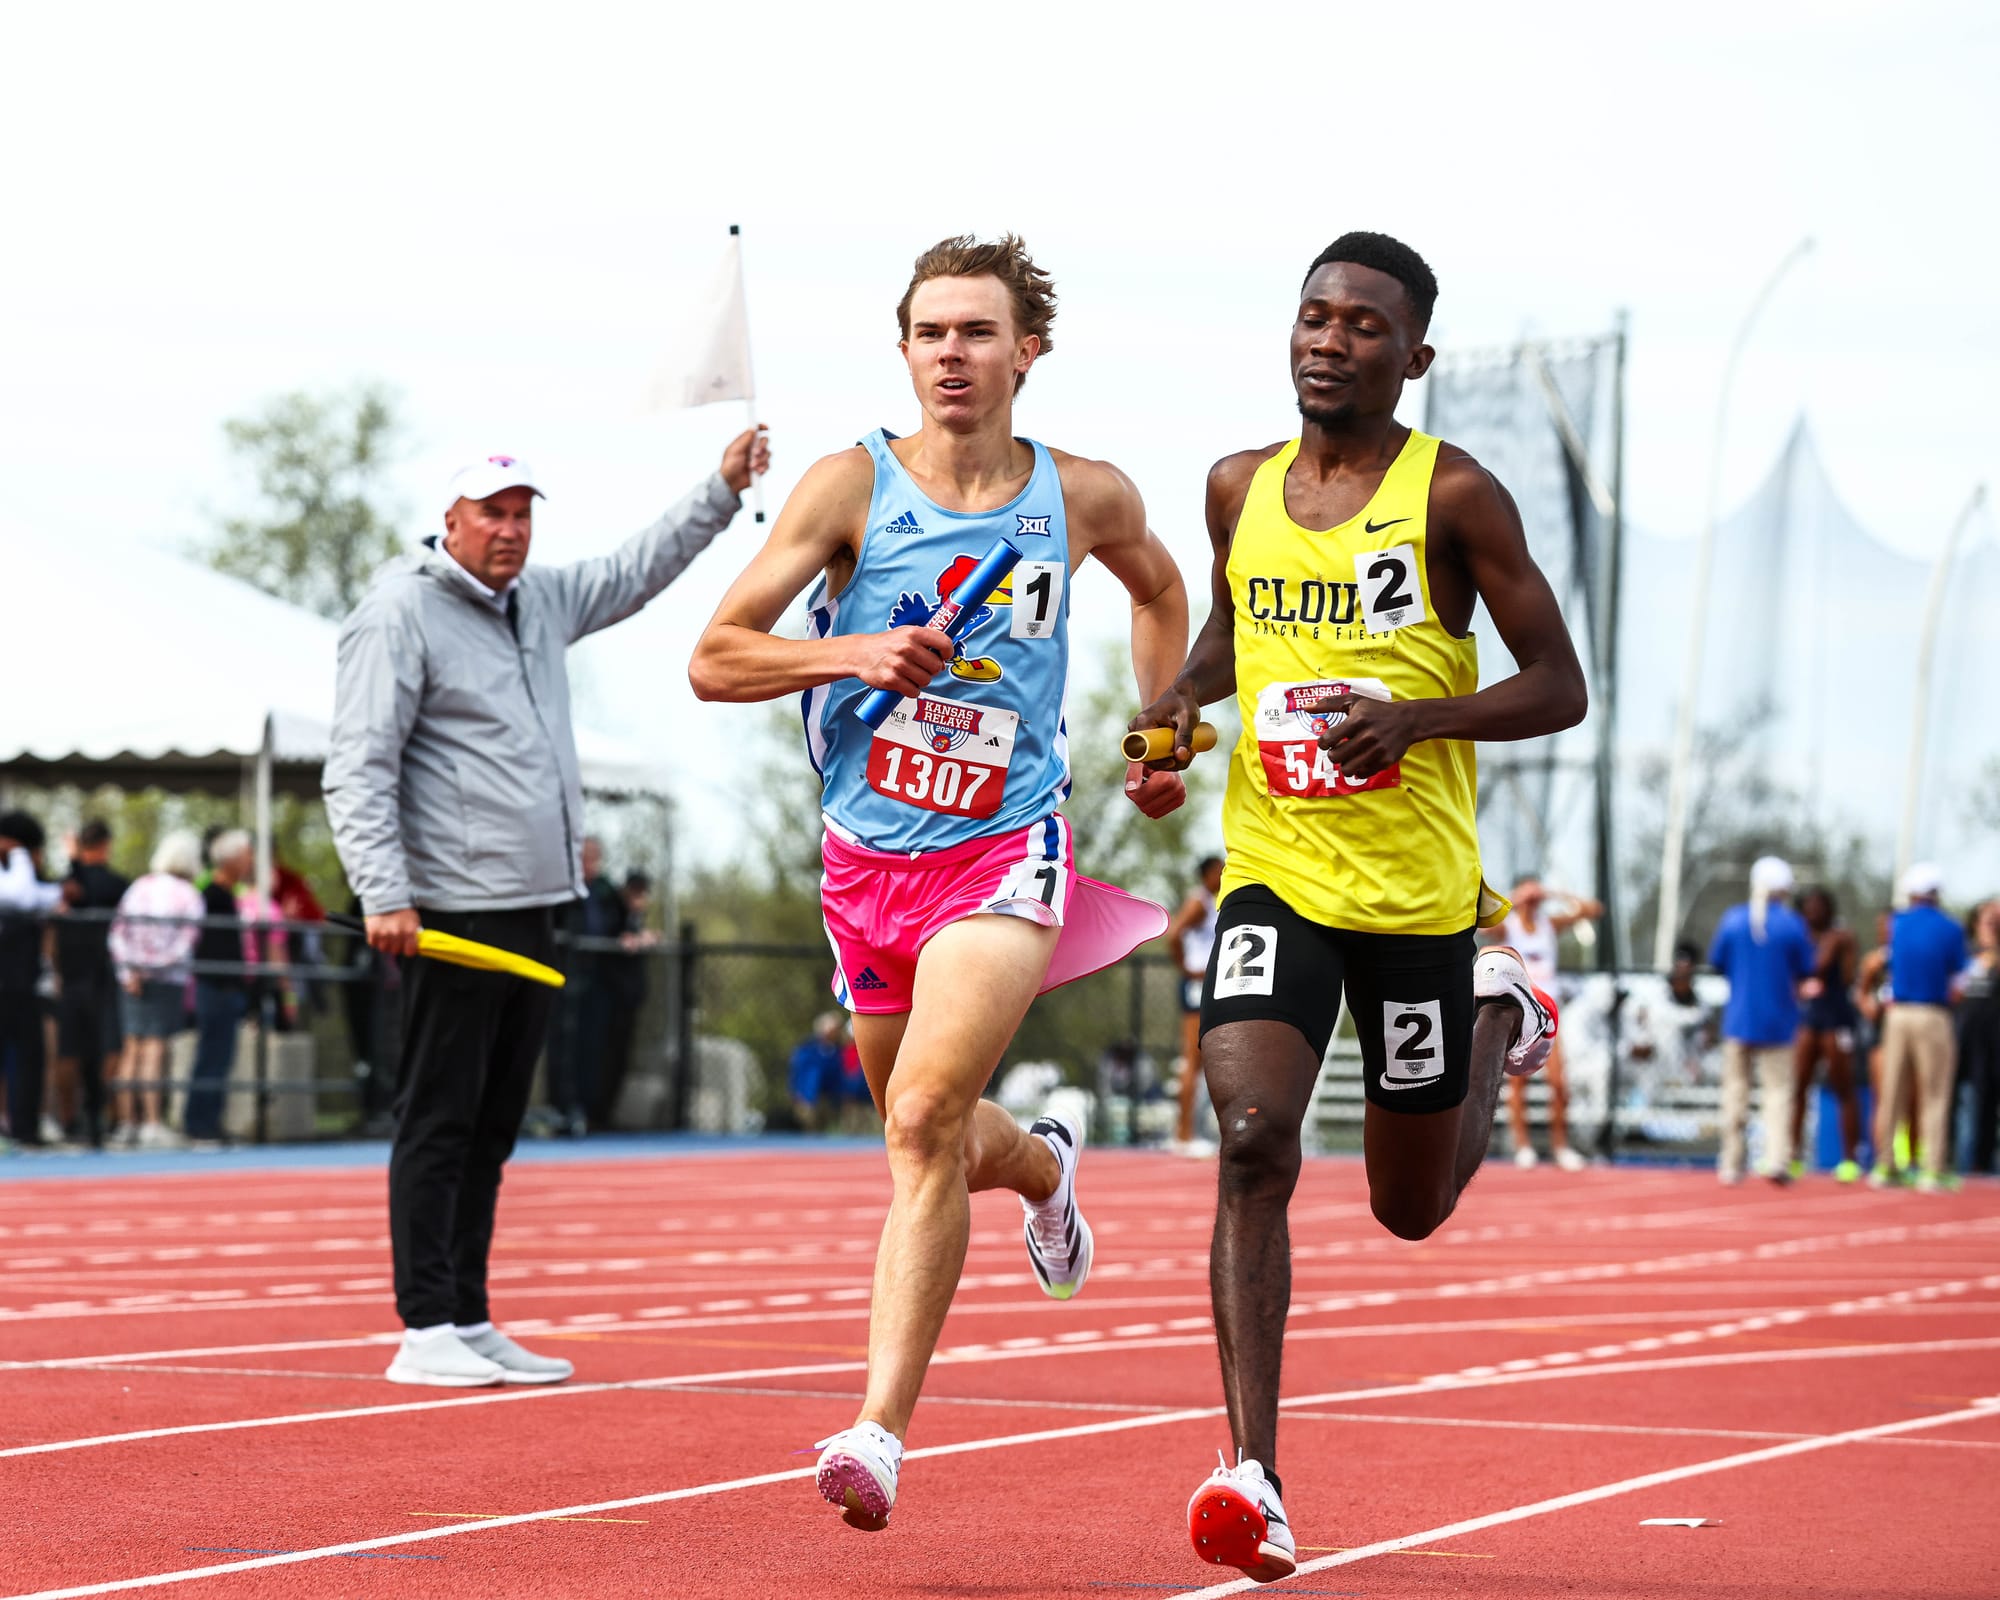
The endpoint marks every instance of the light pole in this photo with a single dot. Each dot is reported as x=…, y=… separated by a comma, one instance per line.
x=1906, y=835
x=1677, y=784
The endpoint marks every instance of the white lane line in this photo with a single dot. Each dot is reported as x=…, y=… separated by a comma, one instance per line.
x=1397, y=1419
x=1197, y=1267
x=667, y=1321
x=1607, y=1491
x=1435, y=1383
x=1040, y=1436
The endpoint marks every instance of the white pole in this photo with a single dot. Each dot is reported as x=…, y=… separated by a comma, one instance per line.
x=265, y=875
x=1677, y=784
x=1920, y=710
x=750, y=371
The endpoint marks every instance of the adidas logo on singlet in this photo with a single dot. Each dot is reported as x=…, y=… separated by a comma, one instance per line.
x=865, y=979
x=906, y=523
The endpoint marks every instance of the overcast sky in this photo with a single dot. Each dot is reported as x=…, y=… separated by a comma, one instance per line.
x=500, y=211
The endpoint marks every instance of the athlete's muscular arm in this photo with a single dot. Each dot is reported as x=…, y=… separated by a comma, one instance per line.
x=737, y=656
x=1209, y=674
x=1107, y=519
x=1580, y=910
x=1477, y=531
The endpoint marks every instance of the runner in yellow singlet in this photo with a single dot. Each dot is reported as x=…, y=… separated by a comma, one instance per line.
x=1347, y=564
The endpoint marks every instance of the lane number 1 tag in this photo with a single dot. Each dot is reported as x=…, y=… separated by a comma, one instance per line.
x=1038, y=593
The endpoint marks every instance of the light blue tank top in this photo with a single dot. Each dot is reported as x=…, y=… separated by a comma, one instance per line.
x=983, y=750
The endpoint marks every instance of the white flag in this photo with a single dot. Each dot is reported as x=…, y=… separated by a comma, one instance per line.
x=712, y=361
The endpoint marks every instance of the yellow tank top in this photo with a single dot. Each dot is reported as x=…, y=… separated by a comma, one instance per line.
x=1348, y=610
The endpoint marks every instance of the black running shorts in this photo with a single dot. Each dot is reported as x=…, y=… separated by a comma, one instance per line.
x=1411, y=994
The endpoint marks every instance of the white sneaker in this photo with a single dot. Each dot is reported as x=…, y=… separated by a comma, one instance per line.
x=51, y=1131
x=1235, y=1520
x=516, y=1365
x=443, y=1361
x=1195, y=1149
x=1569, y=1160
x=857, y=1472
x=1525, y=1157
x=1498, y=976
x=158, y=1136
x=1059, y=1243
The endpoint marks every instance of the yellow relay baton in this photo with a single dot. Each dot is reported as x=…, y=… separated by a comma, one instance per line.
x=1157, y=744
x=470, y=953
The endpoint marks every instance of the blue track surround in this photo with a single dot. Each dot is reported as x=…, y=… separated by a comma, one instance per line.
x=375, y=1153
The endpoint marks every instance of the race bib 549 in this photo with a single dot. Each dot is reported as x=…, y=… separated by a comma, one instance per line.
x=1295, y=767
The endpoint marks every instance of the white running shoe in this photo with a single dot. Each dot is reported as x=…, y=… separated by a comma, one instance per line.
x=1235, y=1520
x=1525, y=1157
x=1569, y=1160
x=442, y=1361
x=1499, y=976
x=857, y=1472
x=516, y=1365
x=1059, y=1243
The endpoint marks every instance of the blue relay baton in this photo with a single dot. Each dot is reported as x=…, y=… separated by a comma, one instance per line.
x=953, y=617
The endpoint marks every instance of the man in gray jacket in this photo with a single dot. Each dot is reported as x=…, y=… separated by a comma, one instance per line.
x=457, y=805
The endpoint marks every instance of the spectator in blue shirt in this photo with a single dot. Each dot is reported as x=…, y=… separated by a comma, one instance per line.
x=1766, y=952
x=1926, y=957
x=815, y=1071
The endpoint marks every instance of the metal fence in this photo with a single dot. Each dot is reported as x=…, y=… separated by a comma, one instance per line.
x=650, y=1034
x=688, y=1033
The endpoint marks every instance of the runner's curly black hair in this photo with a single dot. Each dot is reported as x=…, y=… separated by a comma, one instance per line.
x=1384, y=254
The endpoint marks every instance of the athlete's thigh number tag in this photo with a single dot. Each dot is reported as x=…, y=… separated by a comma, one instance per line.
x=1247, y=961
x=1412, y=1043
x=1046, y=881
x=1392, y=590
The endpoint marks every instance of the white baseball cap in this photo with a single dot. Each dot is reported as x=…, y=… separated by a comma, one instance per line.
x=482, y=478
x=1922, y=879
x=1770, y=875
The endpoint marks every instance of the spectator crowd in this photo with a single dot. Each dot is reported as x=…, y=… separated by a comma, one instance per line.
x=100, y=975
x=1913, y=1024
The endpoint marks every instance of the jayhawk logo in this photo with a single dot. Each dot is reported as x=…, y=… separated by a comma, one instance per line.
x=914, y=610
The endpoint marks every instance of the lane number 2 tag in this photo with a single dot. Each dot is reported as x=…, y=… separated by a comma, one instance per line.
x=1247, y=961
x=1392, y=592
x=1412, y=1043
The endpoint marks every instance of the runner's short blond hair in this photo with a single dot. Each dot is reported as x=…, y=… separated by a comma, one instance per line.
x=1031, y=290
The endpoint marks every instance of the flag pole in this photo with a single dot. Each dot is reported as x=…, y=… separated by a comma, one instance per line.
x=749, y=370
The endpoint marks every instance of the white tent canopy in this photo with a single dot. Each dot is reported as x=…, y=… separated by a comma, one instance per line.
x=128, y=666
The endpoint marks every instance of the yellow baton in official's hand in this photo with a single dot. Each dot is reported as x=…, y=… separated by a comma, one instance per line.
x=469, y=953
x=485, y=958
x=1157, y=744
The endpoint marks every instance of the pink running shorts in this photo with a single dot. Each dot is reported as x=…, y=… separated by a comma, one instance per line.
x=882, y=908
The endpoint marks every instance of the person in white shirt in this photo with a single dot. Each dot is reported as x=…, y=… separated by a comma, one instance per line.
x=1535, y=928
x=1192, y=936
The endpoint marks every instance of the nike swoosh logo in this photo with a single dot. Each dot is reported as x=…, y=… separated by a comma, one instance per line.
x=1377, y=527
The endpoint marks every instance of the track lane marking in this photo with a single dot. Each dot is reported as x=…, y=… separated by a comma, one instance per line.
x=1984, y=1410
x=1607, y=1491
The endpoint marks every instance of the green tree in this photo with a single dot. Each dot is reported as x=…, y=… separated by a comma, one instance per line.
x=321, y=527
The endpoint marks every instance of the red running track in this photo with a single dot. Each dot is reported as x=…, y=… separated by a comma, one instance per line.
x=191, y=1371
